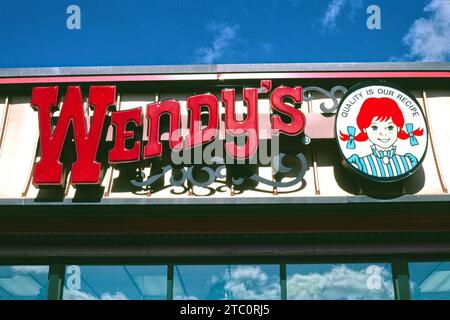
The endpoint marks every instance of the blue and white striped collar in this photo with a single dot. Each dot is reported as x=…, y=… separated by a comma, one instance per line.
x=383, y=153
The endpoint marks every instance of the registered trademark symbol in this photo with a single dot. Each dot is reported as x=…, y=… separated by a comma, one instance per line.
x=306, y=140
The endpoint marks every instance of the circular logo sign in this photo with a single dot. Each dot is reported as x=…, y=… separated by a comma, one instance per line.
x=381, y=131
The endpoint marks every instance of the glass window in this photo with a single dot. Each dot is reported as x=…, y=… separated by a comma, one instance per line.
x=115, y=283
x=23, y=282
x=355, y=281
x=430, y=280
x=223, y=282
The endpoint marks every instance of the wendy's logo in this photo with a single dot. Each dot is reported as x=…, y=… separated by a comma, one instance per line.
x=381, y=131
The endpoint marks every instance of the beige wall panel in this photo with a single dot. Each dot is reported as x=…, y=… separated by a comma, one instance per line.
x=439, y=117
x=18, y=147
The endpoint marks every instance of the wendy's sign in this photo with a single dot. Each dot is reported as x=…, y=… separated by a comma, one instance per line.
x=102, y=99
x=381, y=131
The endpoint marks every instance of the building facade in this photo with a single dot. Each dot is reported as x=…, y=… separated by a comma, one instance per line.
x=289, y=181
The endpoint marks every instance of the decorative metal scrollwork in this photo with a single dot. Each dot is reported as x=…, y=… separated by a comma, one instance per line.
x=330, y=94
x=297, y=170
x=301, y=166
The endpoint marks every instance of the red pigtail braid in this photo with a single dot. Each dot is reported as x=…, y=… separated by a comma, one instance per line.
x=404, y=135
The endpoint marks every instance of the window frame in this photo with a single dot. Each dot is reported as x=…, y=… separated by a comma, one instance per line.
x=399, y=265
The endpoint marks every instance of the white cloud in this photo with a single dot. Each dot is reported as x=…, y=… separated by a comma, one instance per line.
x=241, y=282
x=336, y=8
x=81, y=295
x=251, y=283
x=428, y=39
x=339, y=283
x=115, y=296
x=224, y=36
x=20, y=285
x=77, y=295
x=30, y=269
x=183, y=297
x=333, y=10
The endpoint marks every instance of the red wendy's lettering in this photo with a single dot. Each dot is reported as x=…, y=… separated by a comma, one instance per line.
x=87, y=132
x=198, y=136
x=249, y=126
x=297, y=123
x=154, y=113
x=85, y=170
x=119, y=120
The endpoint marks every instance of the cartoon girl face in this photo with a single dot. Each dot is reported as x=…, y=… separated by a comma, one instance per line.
x=380, y=121
x=380, y=134
x=383, y=134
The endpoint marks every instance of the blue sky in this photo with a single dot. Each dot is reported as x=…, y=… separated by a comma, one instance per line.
x=138, y=32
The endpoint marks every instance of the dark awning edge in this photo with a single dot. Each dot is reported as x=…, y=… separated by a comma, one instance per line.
x=354, y=199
